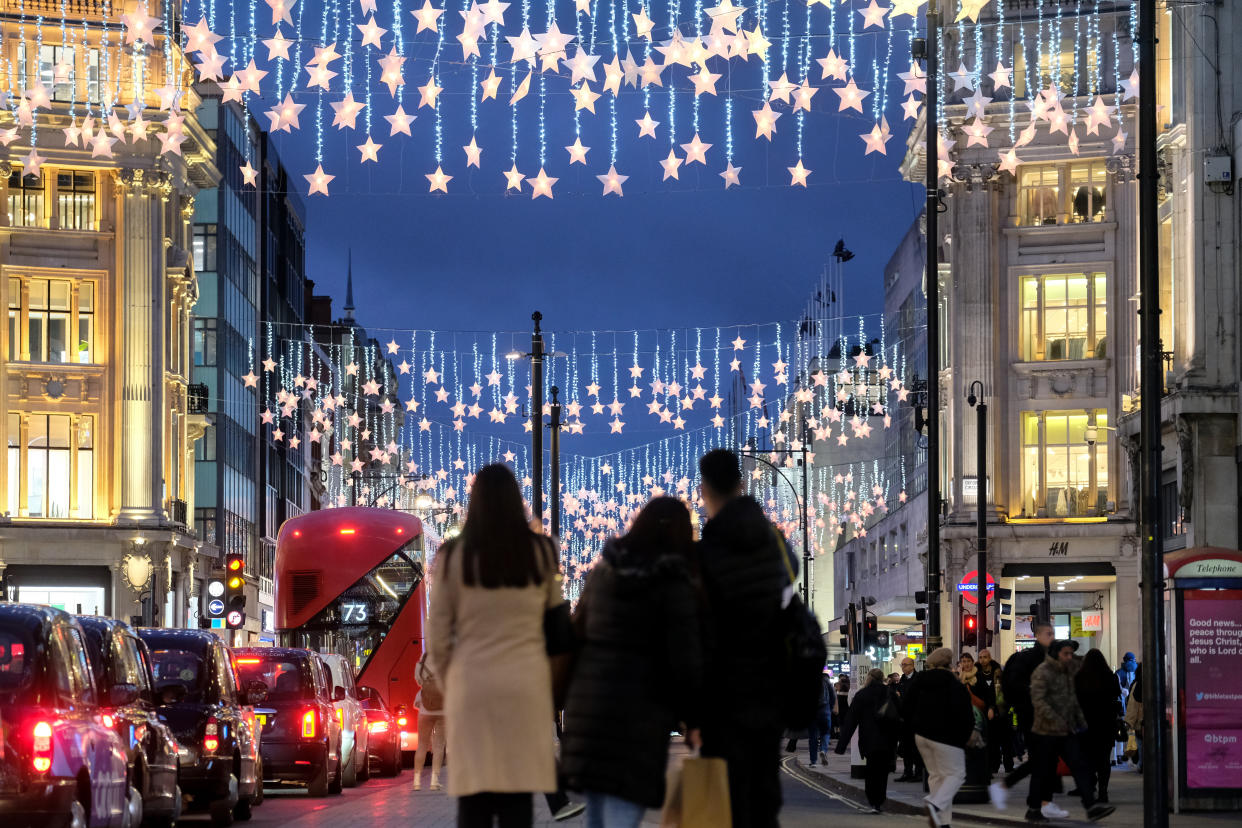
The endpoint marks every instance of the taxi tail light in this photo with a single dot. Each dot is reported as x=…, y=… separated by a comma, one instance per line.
x=107, y=719
x=41, y=747
x=211, y=736
x=310, y=724
x=402, y=722
x=380, y=726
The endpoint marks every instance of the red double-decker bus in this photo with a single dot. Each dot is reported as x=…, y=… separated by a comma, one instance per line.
x=352, y=581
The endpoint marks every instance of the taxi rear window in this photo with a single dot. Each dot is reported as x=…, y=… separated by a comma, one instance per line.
x=17, y=656
x=181, y=667
x=286, y=679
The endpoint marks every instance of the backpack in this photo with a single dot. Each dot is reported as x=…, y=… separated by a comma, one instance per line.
x=802, y=679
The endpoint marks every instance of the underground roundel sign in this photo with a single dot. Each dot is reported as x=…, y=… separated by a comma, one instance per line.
x=969, y=585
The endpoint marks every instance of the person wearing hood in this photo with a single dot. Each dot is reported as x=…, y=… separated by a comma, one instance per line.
x=938, y=707
x=639, y=669
x=1056, y=731
x=748, y=576
x=1126, y=673
x=1100, y=698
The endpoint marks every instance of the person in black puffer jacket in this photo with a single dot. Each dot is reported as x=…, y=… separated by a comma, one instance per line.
x=938, y=708
x=639, y=672
x=877, y=736
x=747, y=571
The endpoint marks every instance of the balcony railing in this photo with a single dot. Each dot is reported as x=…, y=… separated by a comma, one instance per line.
x=196, y=397
x=70, y=8
x=177, y=512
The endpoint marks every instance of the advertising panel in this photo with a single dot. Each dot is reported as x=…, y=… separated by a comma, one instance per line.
x=1212, y=630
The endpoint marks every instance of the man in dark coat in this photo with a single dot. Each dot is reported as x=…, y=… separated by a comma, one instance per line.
x=1016, y=686
x=747, y=575
x=912, y=763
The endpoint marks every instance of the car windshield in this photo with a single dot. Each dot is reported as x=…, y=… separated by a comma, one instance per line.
x=17, y=657
x=181, y=667
x=286, y=679
x=369, y=703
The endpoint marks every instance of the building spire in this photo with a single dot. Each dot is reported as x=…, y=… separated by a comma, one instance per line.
x=349, y=288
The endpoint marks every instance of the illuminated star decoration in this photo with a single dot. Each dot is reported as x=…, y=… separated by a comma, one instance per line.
x=318, y=181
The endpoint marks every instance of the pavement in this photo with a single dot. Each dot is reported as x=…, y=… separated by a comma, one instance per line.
x=905, y=799
x=391, y=802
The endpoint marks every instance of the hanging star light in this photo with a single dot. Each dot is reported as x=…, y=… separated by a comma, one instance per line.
x=851, y=97
x=370, y=150
x=646, y=126
x=318, y=181
x=438, y=180
x=541, y=185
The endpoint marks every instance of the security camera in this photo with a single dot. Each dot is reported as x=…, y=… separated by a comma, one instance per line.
x=1092, y=434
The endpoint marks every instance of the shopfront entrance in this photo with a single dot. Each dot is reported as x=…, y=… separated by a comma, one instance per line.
x=80, y=590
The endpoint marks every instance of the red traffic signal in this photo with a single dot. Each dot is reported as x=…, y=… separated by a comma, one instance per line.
x=970, y=622
x=233, y=563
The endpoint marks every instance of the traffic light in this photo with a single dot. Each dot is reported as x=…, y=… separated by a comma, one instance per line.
x=1040, y=611
x=970, y=631
x=235, y=591
x=213, y=615
x=920, y=597
x=869, y=632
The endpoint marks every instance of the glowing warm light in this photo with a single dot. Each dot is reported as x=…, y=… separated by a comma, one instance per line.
x=348, y=531
x=249, y=660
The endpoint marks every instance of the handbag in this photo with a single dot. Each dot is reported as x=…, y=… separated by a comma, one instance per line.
x=558, y=629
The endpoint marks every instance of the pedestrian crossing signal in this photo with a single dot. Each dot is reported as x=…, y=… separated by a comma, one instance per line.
x=970, y=631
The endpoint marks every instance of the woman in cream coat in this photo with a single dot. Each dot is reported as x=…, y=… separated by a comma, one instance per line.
x=485, y=638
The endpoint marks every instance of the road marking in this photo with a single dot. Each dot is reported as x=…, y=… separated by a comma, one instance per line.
x=815, y=786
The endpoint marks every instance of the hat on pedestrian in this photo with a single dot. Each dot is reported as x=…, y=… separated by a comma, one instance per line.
x=940, y=658
x=1055, y=647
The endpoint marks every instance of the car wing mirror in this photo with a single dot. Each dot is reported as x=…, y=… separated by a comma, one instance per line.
x=338, y=694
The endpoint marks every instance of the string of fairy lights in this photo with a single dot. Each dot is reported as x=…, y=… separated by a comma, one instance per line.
x=422, y=410
x=700, y=59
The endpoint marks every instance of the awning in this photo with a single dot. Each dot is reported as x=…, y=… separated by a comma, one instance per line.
x=1059, y=569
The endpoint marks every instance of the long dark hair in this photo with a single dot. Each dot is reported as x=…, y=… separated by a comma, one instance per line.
x=498, y=547
x=661, y=528
x=1095, y=676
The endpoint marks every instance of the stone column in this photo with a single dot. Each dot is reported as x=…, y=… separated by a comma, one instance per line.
x=142, y=195
x=973, y=335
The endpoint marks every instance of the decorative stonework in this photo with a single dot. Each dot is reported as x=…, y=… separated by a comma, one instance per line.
x=1121, y=168
x=977, y=176
x=137, y=181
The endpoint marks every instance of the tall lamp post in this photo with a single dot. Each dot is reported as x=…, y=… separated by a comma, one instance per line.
x=981, y=519
x=536, y=357
x=554, y=481
x=756, y=454
x=926, y=49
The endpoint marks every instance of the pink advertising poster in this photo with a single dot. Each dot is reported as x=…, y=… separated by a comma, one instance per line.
x=1212, y=626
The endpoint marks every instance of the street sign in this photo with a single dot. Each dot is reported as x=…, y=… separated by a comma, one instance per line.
x=969, y=585
x=215, y=607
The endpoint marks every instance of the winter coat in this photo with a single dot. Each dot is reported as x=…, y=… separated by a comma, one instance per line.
x=639, y=673
x=1101, y=706
x=487, y=646
x=1016, y=682
x=876, y=737
x=745, y=574
x=937, y=706
x=1055, y=701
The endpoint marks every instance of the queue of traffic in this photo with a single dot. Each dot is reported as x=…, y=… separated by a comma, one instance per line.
x=105, y=726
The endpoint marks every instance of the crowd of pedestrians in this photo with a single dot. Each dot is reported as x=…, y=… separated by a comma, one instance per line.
x=672, y=634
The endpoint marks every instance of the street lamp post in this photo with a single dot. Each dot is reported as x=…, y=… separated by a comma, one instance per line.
x=981, y=520
x=555, y=480
x=806, y=531
x=927, y=50
x=536, y=433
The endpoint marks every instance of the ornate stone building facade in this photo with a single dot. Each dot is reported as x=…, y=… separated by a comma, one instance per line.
x=99, y=283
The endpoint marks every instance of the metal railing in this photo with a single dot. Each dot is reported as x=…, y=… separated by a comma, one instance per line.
x=177, y=512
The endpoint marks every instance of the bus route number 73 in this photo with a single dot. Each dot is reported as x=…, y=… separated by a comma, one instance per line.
x=353, y=612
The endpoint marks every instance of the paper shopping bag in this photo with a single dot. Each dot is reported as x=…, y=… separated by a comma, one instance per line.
x=670, y=816
x=705, y=794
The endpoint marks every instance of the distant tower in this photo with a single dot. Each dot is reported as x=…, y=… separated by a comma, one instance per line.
x=349, y=288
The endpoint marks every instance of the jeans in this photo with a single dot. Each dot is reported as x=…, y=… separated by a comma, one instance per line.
x=483, y=810
x=946, y=771
x=608, y=811
x=818, y=734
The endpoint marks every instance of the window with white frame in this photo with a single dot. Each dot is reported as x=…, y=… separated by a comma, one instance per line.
x=51, y=320
x=1062, y=193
